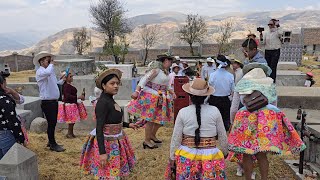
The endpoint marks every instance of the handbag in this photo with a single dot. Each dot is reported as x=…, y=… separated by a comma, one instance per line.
x=255, y=101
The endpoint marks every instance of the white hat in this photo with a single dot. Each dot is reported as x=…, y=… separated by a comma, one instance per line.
x=209, y=59
x=175, y=65
x=177, y=58
x=258, y=76
x=40, y=55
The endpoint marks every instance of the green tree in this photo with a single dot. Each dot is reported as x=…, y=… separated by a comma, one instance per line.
x=81, y=40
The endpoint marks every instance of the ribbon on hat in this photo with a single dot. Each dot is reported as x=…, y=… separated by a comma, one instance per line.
x=67, y=71
x=221, y=64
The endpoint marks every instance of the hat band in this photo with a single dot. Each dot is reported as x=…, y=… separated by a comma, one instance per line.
x=198, y=92
x=222, y=64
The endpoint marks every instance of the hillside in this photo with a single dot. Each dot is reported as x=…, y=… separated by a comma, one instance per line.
x=169, y=22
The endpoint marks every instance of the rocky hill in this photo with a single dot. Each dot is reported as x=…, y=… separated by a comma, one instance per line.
x=169, y=22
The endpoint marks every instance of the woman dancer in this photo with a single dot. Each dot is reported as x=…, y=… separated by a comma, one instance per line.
x=72, y=109
x=261, y=131
x=193, y=151
x=107, y=153
x=152, y=100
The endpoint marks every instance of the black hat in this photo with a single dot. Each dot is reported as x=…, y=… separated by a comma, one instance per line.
x=164, y=56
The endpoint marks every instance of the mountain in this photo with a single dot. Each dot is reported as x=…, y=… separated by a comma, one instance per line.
x=169, y=22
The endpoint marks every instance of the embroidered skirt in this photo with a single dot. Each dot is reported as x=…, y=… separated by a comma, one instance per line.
x=263, y=131
x=71, y=112
x=194, y=164
x=152, y=108
x=120, y=162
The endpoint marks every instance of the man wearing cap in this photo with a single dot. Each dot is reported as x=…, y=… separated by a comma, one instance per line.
x=49, y=94
x=208, y=69
x=223, y=83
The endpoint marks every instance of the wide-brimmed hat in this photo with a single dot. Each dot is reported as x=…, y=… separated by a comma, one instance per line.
x=40, y=55
x=267, y=70
x=101, y=75
x=211, y=60
x=165, y=56
x=198, y=87
x=256, y=80
x=177, y=58
x=174, y=65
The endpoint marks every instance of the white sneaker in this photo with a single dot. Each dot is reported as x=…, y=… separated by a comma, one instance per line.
x=253, y=175
x=239, y=172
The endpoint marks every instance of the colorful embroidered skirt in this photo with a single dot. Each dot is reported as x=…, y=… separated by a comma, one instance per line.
x=194, y=164
x=120, y=162
x=71, y=113
x=152, y=108
x=263, y=131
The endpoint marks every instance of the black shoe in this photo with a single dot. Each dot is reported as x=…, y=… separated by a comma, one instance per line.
x=57, y=148
x=48, y=144
x=156, y=141
x=147, y=146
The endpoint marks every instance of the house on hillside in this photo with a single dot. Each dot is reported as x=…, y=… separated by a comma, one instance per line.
x=311, y=40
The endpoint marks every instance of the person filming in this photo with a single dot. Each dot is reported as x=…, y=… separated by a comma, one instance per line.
x=272, y=41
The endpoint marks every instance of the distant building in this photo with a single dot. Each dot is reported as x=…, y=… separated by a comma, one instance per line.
x=311, y=40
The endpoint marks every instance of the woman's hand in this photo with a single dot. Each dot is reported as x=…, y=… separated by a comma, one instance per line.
x=133, y=126
x=174, y=96
x=103, y=159
x=135, y=95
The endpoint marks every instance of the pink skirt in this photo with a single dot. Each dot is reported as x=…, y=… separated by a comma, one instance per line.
x=121, y=159
x=152, y=108
x=23, y=128
x=192, y=164
x=71, y=113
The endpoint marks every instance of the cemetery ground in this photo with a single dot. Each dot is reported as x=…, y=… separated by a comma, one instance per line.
x=151, y=164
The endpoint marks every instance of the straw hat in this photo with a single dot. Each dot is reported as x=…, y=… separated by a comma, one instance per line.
x=101, y=75
x=165, y=56
x=209, y=59
x=267, y=70
x=40, y=55
x=198, y=87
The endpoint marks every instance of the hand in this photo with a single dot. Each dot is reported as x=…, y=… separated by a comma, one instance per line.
x=174, y=96
x=133, y=126
x=64, y=78
x=81, y=97
x=103, y=159
x=135, y=95
x=172, y=162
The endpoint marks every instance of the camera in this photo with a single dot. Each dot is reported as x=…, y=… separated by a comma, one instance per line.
x=6, y=72
x=260, y=29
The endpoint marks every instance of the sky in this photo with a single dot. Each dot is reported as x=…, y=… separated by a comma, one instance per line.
x=55, y=15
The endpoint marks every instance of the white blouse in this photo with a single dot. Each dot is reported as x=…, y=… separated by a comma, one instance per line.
x=156, y=76
x=211, y=126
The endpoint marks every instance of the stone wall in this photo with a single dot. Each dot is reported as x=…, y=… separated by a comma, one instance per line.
x=209, y=49
x=18, y=62
x=134, y=56
x=184, y=50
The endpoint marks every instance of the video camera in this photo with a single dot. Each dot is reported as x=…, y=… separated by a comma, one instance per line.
x=260, y=29
x=6, y=72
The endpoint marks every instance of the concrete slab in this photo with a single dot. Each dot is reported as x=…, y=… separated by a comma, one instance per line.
x=28, y=89
x=287, y=66
x=293, y=97
x=313, y=116
x=290, y=78
x=34, y=105
x=295, y=169
x=19, y=163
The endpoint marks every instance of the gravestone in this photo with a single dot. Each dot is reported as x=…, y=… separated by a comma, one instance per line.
x=125, y=68
x=39, y=125
x=19, y=163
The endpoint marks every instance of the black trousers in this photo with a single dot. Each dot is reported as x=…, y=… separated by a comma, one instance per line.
x=272, y=57
x=223, y=103
x=50, y=110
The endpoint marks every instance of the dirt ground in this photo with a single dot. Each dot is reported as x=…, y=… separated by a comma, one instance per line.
x=150, y=165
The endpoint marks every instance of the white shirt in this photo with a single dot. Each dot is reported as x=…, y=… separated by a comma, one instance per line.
x=171, y=76
x=207, y=70
x=239, y=74
x=186, y=124
x=156, y=76
x=271, y=40
x=47, y=82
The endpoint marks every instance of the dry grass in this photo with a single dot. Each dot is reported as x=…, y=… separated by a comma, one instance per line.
x=21, y=77
x=151, y=164
x=306, y=67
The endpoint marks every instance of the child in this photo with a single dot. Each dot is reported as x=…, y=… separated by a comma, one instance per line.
x=309, y=80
